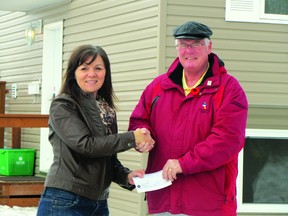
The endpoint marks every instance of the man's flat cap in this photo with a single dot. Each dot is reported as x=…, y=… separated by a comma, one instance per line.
x=192, y=30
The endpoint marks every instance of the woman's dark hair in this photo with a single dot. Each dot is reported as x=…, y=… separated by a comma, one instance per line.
x=79, y=56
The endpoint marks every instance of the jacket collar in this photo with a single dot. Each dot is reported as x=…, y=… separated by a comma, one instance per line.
x=211, y=79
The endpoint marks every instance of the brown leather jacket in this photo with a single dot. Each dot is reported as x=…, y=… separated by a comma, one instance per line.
x=85, y=160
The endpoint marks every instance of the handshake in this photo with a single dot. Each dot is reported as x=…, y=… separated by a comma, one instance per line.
x=144, y=141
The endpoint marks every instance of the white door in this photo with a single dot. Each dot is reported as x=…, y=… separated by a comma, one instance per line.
x=51, y=83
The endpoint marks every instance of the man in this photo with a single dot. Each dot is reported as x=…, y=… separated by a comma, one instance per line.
x=196, y=113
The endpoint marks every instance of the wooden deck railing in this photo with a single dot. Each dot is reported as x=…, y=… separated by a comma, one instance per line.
x=18, y=121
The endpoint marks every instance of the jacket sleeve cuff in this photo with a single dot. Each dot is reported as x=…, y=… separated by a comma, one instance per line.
x=129, y=139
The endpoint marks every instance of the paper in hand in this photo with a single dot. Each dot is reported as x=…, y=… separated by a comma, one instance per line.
x=151, y=182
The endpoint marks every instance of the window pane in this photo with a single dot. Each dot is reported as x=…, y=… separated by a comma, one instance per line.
x=276, y=7
x=265, y=174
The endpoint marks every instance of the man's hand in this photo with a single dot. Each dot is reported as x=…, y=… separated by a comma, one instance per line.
x=171, y=169
x=144, y=141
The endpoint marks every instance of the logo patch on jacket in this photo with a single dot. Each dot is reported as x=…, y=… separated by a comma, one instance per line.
x=204, y=105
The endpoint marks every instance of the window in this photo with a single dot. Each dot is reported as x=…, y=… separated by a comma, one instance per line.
x=262, y=184
x=263, y=11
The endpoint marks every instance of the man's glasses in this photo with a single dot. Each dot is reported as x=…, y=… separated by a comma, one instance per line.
x=193, y=45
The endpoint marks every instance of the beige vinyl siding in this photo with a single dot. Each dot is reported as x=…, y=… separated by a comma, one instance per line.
x=274, y=117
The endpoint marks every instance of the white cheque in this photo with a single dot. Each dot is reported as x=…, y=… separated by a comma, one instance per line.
x=150, y=182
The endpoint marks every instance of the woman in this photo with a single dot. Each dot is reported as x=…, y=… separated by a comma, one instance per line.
x=83, y=133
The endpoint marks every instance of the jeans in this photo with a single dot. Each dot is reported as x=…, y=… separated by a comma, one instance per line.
x=57, y=202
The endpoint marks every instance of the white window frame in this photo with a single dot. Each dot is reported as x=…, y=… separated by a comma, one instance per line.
x=251, y=11
x=271, y=17
x=257, y=207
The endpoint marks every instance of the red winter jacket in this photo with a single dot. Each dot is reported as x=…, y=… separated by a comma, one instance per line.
x=205, y=131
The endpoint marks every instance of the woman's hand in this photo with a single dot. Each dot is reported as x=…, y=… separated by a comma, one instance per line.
x=144, y=141
x=136, y=173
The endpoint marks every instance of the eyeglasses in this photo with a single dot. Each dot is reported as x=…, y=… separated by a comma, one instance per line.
x=193, y=45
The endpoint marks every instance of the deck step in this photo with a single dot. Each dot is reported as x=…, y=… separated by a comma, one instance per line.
x=23, y=191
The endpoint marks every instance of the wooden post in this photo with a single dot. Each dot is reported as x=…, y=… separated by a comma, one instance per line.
x=16, y=137
x=2, y=109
